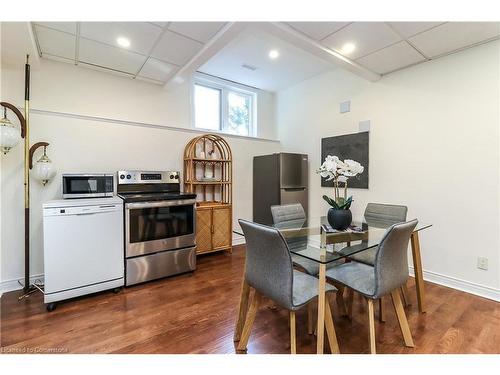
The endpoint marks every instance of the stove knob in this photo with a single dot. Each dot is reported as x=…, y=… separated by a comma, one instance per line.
x=122, y=176
x=176, y=176
x=129, y=177
x=172, y=176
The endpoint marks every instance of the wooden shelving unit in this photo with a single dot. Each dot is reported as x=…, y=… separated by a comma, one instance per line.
x=208, y=173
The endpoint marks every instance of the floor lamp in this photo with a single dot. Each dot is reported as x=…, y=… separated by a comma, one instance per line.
x=10, y=135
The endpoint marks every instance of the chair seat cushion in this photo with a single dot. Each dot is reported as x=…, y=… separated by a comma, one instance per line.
x=365, y=256
x=310, y=266
x=357, y=276
x=305, y=288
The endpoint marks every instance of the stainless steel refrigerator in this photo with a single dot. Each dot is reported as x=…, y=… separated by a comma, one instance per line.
x=278, y=179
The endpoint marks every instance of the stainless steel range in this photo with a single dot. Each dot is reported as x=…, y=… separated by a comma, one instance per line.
x=159, y=225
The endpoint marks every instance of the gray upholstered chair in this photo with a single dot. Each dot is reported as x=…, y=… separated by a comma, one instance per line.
x=270, y=272
x=380, y=216
x=377, y=215
x=386, y=276
x=291, y=216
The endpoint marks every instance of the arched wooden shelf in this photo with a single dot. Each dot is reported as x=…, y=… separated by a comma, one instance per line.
x=208, y=172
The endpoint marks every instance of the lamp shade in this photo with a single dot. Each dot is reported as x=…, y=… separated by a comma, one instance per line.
x=10, y=135
x=44, y=169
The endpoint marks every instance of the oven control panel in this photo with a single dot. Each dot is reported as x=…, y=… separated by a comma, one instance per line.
x=148, y=177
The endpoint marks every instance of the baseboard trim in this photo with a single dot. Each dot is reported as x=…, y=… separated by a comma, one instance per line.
x=13, y=284
x=459, y=284
x=238, y=240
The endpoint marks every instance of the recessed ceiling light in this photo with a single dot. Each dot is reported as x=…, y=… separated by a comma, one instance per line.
x=347, y=48
x=123, y=42
x=273, y=54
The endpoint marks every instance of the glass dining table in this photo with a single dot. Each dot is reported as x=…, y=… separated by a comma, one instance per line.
x=314, y=240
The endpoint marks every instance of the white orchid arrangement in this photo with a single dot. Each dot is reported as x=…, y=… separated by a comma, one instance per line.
x=339, y=171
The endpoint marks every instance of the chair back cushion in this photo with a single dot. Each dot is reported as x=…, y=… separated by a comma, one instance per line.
x=382, y=215
x=268, y=263
x=288, y=212
x=391, y=261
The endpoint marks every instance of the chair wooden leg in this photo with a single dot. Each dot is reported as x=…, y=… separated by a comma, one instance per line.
x=339, y=297
x=406, y=296
x=293, y=335
x=330, y=330
x=310, y=318
x=250, y=318
x=417, y=266
x=371, y=321
x=350, y=300
x=403, y=322
x=381, y=310
x=242, y=310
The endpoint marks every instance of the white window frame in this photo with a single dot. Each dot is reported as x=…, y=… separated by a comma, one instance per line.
x=225, y=88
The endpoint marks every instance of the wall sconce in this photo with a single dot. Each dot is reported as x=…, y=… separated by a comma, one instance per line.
x=44, y=168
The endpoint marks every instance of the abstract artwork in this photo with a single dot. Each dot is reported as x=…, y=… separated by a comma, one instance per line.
x=349, y=146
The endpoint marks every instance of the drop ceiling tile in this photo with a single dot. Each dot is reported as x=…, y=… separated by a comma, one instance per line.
x=68, y=27
x=56, y=43
x=317, y=30
x=142, y=35
x=175, y=48
x=109, y=57
x=452, y=36
x=157, y=70
x=407, y=29
x=394, y=57
x=366, y=36
x=200, y=31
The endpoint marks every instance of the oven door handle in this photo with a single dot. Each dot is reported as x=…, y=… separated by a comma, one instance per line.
x=181, y=202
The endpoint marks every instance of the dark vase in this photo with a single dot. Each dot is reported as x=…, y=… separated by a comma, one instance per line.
x=339, y=219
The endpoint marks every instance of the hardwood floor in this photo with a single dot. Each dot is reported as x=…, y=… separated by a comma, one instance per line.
x=196, y=314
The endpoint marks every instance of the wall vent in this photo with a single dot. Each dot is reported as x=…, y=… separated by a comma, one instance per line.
x=249, y=67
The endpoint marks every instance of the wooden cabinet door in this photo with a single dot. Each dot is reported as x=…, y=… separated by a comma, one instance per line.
x=221, y=232
x=203, y=230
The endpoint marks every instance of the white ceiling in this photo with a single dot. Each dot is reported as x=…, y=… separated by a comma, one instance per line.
x=159, y=51
x=384, y=47
x=251, y=48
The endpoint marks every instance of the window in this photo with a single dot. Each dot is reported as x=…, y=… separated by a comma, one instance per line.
x=223, y=108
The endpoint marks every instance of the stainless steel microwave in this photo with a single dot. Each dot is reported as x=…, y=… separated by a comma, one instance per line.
x=88, y=185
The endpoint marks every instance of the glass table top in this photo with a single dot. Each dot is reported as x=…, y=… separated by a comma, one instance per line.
x=303, y=238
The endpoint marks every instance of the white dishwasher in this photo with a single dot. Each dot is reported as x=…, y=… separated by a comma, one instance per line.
x=83, y=247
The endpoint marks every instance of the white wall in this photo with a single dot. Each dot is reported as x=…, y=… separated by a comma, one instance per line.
x=434, y=146
x=83, y=145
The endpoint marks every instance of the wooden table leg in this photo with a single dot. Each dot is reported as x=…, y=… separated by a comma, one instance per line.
x=321, y=309
x=417, y=266
x=242, y=310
